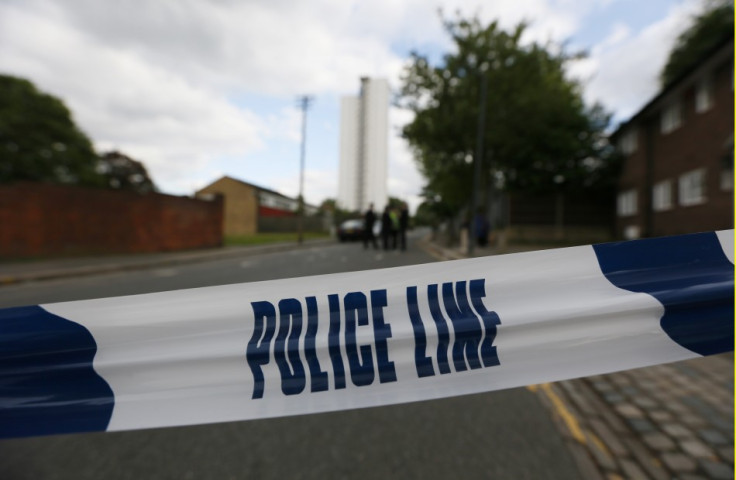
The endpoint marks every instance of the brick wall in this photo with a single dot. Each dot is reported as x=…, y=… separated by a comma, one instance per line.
x=41, y=219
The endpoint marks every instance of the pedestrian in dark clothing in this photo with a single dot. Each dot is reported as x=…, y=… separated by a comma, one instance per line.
x=394, y=216
x=369, y=219
x=481, y=229
x=386, y=227
x=403, y=224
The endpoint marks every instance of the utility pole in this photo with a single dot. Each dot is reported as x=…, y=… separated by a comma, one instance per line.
x=304, y=102
x=478, y=160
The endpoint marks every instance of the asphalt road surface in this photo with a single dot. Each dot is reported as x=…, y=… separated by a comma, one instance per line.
x=499, y=435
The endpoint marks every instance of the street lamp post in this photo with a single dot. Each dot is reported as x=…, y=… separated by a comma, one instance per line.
x=304, y=102
x=478, y=160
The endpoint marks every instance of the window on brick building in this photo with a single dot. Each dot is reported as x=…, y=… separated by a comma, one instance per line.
x=628, y=143
x=626, y=203
x=662, y=196
x=692, y=188
x=727, y=180
x=632, y=232
x=671, y=117
x=727, y=171
x=704, y=95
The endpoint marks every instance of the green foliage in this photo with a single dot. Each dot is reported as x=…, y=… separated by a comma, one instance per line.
x=429, y=213
x=328, y=205
x=539, y=136
x=339, y=215
x=394, y=202
x=707, y=30
x=122, y=172
x=39, y=140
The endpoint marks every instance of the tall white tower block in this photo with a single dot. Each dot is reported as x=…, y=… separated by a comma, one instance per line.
x=364, y=147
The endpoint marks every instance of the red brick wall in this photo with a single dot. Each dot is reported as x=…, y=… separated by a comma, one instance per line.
x=40, y=219
x=264, y=211
x=700, y=142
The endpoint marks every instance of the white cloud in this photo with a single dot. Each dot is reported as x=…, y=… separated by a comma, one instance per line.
x=622, y=71
x=124, y=102
x=619, y=33
x=404, y=180
x=156, y=79
x=285, y=124
x=273, y=48
x=318, y=185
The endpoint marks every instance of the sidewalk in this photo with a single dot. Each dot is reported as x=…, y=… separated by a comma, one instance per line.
x=672, y=421
x=47, y=269
x=667, y=421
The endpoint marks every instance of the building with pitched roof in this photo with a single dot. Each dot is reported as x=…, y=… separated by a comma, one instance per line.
x=250, y=209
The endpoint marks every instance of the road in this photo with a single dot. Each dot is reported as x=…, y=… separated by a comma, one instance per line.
x=505, y=435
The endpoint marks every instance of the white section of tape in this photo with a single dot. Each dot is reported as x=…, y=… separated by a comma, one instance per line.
x=178, y=358
x=725, y=237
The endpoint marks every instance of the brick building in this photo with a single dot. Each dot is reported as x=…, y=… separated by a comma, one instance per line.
x=250, y=209
x=677, y=174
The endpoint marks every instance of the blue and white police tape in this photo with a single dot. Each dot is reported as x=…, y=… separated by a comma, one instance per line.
x=363, y=339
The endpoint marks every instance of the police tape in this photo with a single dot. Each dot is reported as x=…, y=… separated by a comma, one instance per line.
x=362, y=339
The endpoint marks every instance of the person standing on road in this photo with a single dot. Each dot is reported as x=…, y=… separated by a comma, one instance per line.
x=386, y=226
x=394, y=216
x=481, y=228
x=369, y=219
x=403, y=224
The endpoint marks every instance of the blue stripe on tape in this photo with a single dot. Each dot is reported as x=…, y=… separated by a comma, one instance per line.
x=690, y=275
x=47, y=383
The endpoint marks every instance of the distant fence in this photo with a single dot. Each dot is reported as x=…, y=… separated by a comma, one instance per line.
x=41, y=219
x=575, y=218
x=290, y=224
x=568, y=210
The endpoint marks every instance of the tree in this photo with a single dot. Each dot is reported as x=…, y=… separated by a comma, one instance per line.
x=39, y=140
x=395, y=202
x=424, y=215
x=328, y=205
x=539, y=136
x=432, y=210
x=706, y=31
x=338, y=214
x=122, y=172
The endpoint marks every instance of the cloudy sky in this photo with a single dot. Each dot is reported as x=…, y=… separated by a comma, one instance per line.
x=197, y=89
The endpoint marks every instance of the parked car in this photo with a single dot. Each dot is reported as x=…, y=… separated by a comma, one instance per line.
x=350, y=230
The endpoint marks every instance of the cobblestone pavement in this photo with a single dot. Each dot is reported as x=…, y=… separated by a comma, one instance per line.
x=672, y=421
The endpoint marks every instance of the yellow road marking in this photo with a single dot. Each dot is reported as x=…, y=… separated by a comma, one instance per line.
x=570, y=421
x=597, y=442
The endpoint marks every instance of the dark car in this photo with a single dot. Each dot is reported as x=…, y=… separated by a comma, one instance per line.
x=350, y=230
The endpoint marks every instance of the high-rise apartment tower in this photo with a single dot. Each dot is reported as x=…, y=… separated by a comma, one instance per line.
x=364, y=147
